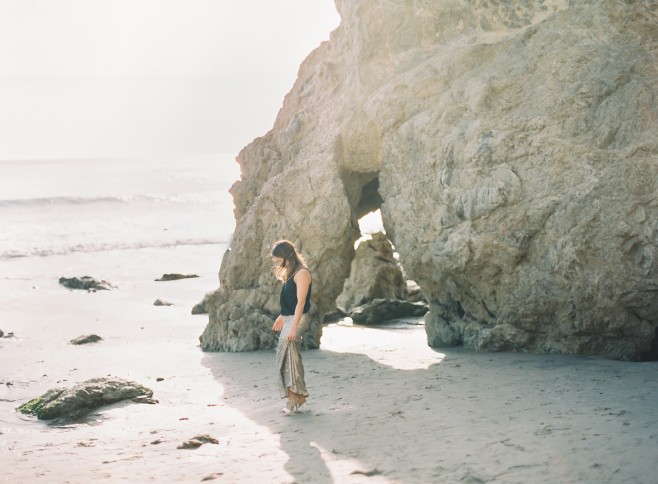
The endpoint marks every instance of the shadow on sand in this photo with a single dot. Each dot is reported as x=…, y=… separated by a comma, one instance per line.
x=357, y=410
x=470, y=417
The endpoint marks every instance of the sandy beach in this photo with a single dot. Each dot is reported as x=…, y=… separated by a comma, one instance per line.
x=384, y=407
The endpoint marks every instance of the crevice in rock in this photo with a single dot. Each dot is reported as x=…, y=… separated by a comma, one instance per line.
x=652, y=354
x=377, y=287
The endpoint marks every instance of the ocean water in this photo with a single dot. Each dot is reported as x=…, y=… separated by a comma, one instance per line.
x=50, y=207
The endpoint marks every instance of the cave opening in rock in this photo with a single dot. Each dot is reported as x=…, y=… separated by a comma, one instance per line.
x=370, y=223
x=377, y=288
x=362, y=190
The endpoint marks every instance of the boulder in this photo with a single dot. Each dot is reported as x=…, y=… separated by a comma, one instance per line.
x=511, y=148
x=374, y=274
x=380, y=310
x=175, y=277
x=71, y=403
x=90, y=338
x=85, y=283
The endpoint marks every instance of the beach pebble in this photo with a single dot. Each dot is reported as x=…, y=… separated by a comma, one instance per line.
x=160, y=302
x=212, y=476
x=370, y=473
x=90, y=338
x=85, y=283
x=175, y=277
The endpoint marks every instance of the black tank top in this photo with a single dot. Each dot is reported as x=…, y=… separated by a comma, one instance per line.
x=288, y=297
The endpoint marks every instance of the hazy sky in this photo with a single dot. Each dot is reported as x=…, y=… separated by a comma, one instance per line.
x=99, y=78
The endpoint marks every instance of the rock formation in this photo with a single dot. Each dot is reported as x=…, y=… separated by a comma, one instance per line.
x=374, y=274
x=512, y=147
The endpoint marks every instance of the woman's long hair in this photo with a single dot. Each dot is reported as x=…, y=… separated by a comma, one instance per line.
x=292, y=259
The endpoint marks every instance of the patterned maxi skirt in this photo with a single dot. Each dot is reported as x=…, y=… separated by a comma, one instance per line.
x=289, y=361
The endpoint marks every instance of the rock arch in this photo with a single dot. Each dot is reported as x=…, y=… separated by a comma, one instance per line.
x=512, y=149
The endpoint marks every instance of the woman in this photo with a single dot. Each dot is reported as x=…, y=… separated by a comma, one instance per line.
x=295, y=301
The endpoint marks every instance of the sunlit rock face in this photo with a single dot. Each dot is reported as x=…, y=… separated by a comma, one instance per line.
x=512, y=147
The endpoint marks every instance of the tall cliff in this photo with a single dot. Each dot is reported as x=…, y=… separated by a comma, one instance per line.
x=512, y=147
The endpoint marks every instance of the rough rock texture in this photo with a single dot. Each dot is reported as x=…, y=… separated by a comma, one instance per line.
x=380, y=310
x=374, y=274
x=74, y=402
x=86, y=283
x=200, y=307
x=512, y=147
x=414, y=292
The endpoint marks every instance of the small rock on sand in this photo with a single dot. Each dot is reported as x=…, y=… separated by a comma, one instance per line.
x=175, y=277
x=198, y=441
x=212, y=476
x=160, y=302
x=90, y=338
x=85, y=283
x=71, y=403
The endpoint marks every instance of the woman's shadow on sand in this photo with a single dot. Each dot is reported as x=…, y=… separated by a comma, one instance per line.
x=359, y=410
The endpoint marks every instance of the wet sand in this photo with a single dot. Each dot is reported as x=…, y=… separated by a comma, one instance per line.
x=384, y=407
